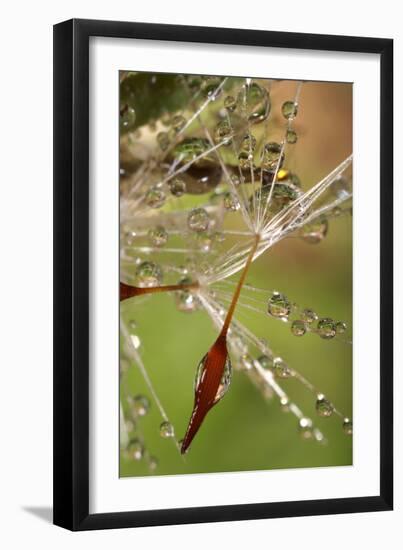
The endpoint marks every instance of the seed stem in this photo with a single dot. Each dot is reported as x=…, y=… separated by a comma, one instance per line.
x=239, y=286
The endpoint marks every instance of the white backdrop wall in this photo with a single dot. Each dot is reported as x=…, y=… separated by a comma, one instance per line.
x=26, y=280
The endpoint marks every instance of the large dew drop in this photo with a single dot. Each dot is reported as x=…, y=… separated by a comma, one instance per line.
x=224, y=382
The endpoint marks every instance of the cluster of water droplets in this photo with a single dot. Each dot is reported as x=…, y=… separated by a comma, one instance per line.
x=303, y=321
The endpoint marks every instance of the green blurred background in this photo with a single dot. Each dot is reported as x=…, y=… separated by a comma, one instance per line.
x=245, y=431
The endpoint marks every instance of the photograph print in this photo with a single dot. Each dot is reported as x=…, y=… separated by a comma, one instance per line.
x=235, y=273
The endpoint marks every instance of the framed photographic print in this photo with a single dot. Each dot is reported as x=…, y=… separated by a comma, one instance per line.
x=222, y=313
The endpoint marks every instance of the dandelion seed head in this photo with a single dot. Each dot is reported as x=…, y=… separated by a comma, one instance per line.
x=198, y=182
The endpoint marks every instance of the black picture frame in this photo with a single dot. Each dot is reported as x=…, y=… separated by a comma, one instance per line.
x=72, y=284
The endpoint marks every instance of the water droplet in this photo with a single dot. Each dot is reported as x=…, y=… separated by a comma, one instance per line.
x=281, y=369
x=153, y=463
x=177, y=187
x=127, y=117
x=289, y=109
x=155, y=197
x=323, y=406
x=285, y=403
x=210, y=87
x=253, y=102
x=158, y=236
x=132, y=324
x=340, y=188
x=148, y=274
x=309, y=316
x=230, y=103
x=198, y=220
x=279, y=305
x=235, y=179
x=223, y=132
x=140, y=405
x=326, y=328
x=135, y=449
x=298, y=328
x=225, y=379
x=186, y=299
x=248, y=143
x=341, y=327
x=305, y=428
x=291, y=136
x=178, y=122
x=167, y=430
x=271, y=156
x=315, y=232
x=163, y=140
x=245, y=161
x=348, y=426
x=231, y=202
x=266, y=362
